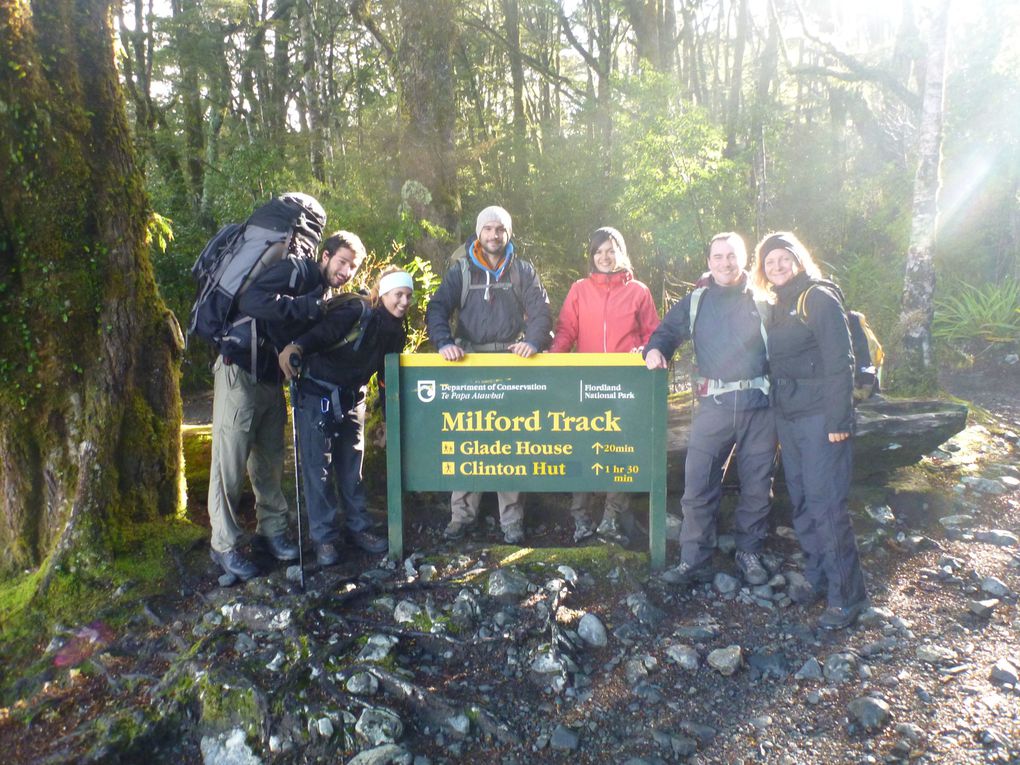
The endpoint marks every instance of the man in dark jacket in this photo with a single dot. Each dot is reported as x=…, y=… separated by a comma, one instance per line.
x=732, y=412
x=500, y=307
x=249, y=413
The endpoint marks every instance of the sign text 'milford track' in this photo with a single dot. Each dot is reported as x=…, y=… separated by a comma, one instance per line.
x=489, y=421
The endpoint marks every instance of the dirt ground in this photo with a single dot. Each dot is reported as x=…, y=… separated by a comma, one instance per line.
x=945, y=712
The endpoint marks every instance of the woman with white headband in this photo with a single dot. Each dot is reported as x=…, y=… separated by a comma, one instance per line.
x=337, y=357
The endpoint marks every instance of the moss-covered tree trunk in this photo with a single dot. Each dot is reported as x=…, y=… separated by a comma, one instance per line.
x=914, y=367
x=89, y=403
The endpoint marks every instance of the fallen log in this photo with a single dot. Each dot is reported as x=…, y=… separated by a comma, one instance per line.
x=890, y=433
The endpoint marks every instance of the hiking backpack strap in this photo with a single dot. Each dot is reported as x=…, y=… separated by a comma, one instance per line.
x=466, y=286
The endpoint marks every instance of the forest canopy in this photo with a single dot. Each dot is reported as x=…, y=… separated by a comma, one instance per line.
x=668, y=119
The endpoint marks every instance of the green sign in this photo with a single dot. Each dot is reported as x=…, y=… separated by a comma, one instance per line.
x=554, y=422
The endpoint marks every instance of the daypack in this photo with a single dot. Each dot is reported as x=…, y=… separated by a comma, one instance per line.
x=291, y=223
x=868, y=352
x=357, y=332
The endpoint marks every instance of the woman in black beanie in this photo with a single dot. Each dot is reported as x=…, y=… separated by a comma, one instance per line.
x=812, y=368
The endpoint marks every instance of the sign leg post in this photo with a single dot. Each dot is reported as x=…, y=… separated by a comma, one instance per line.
x=394, y=463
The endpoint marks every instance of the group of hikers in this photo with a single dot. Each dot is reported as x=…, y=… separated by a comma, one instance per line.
x=774, y=364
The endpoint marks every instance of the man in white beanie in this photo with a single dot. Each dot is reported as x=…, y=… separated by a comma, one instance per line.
x=500, y=307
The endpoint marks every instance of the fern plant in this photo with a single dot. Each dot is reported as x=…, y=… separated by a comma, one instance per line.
x=977, y=319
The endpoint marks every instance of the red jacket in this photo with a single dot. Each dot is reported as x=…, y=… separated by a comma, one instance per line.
x=605, y=313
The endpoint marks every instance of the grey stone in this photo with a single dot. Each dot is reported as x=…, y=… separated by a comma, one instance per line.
x=459, y=723
x=362, y=684
x=1004, y=673
x=983, y=485
x=983, y=608
x=936, y=654
x=705, y=734
x=960, y=520
x=228, y=748
x=257, y=618
x=699, y=632
x=683, y=746
x=872, y=714
x=997, y=537
x=840, y=667
x=684, y=655
x=406, y=612
x=727, y=660
x=646, y=613
x=325, y=727
x=427, y=572
x=293, y=573
x=673, y=525
x=377, y=648
x=880, y=514
x=465, y=611
x=635, y=671
x=875, y=615
x=769, y=663
x=507, y=584
x=591, y=630
x=725, y=584
x=547, y=662
x=244, y=644
x=996, y=587
x=387, y=754
x=564, y=738
x=379, y=726
x=810, y=670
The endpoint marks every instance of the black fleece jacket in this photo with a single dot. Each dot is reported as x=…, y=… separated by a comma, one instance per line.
x=811, y=359
x=352, y=364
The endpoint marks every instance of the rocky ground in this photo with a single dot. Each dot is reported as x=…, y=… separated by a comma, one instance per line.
x=483, y=653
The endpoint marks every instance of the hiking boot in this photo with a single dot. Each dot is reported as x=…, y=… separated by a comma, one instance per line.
x=750, y=566
x=278, y=546
x=367, y=541
x=232, y=562
x=837, y=618
x=513, y=533
x=685, y=573
x=326, y=554
x=582, y=529
x=457, y=529
x=609, y=531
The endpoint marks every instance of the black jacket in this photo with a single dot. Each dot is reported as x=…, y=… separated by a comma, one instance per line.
x=503, y=318
x=285, y=300
x=352, y=364
x=811, y=360
x=728, y=345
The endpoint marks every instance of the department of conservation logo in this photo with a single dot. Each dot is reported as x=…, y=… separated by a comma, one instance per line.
x=426, y=391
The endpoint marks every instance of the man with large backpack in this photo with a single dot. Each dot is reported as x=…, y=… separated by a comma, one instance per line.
x=726, y=326
x=249, y=414
x=500, y=306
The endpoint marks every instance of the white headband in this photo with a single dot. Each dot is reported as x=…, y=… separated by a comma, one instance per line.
x=396, y=279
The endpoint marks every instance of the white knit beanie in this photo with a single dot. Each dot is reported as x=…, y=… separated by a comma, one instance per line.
x=491, y=213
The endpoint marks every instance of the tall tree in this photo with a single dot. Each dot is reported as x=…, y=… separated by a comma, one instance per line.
x=917, y=308
x=89, y=407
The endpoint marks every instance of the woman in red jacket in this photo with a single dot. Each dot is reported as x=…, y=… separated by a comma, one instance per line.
x=609, y=311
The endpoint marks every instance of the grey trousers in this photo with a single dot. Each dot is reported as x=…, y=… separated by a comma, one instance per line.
x=818, y=478
x=464, y=506
x=328, y=464
x=718, y=431
x=249, y=418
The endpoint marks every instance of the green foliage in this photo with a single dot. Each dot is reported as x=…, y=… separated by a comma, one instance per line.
x=977, y=319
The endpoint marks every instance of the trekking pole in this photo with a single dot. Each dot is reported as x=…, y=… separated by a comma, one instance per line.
x=295, y=363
